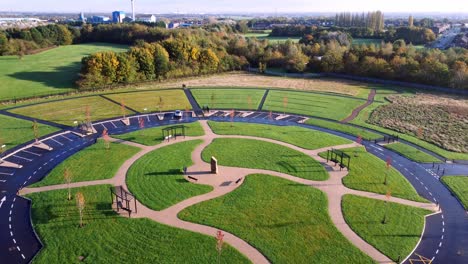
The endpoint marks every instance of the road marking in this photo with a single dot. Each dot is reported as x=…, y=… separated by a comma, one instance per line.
x=430, y=193
x=2, y=201
x=58, y=142
x=432, y=259
x=11, y=233
x=4, y=173
x=14, y=199
x=66, y=137
x=442, y=237
x=426, y=188
x=437, y=251
x=23, y=256
x=34, y=173
x=412, y=174
x=25, y=182
x=11, y=212
x=443, y=223
x=40, y=168
x=14, y=241
x=417, y=178
x=443, y=230
x=113, y=124
x=19, y=157
x=406, y=169
x=12, y=205
x=45, y=164
x=440, y=244
x=9, y=226
x=442, y=216
x=29, y=177
x=32, y=153
x=2, y=180
x=19, y=249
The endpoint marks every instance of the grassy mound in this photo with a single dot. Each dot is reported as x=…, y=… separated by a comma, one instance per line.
x=229, y=98
x=411, y=152
x=459, y=186
x=171, y=100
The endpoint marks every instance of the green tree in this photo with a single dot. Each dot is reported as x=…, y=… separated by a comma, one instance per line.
x=208, y=61
x=3, y=44
x=64, y=35
x=161, y=61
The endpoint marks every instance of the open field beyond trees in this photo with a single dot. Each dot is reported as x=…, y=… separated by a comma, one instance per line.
x=255, y=154
x=153, y=101
x=459, y=186
x=229, y=98
x=107, y=236
x=287, y=222
x=49, y=72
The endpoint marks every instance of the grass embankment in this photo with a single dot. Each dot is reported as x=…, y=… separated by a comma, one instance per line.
x=301, y=137
x=352, y=130
x=248, y=99
x=157, y=179
x=108, y=238
x=367, y=173
x=49, y=72
x=14, y=132
x=401, y=231
x=459, y=186
x=287, y=222
x=154, y=136
x=255, y=154
x=411, y=153
x=151, y=100
x=93, y=163
x=67, y=111
x=313, y=104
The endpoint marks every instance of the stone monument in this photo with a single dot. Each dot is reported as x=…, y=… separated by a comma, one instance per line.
x=214, y=165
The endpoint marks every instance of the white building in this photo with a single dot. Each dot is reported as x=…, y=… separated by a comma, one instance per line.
x=148, y=18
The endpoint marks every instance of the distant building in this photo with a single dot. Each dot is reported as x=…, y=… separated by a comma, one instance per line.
x=147, y=18
x=82, y=17
x=100, y=19
x=118, y=16
x=440, y=28
x=173, y=25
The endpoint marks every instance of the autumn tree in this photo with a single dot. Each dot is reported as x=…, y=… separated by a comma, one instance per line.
x=208, y=61
x=80, y=204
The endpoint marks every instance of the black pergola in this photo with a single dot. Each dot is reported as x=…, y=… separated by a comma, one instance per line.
x=174, y=131
x=123, y=199
x=339, y=157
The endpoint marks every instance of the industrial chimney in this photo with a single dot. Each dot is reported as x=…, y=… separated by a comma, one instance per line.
x=133, y=10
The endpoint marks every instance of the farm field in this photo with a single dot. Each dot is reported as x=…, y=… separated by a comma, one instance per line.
x=301, y=137
x=68, y=111
x=312, y=104
x=157, y=180
x=14, y=131
x=171, y=100
x=411, y=152
x=93, y=163
x=367, y=173
x=255, y=154
x=49, y=72
x=459, y=186
x=248, y=99
x=401, y=231
x=153, y=136
x=290, y=220
x=108, y=236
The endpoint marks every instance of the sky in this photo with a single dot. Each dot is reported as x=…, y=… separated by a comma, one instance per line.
x=236, y=6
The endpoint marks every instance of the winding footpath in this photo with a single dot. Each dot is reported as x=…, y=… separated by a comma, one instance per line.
x=333, y=188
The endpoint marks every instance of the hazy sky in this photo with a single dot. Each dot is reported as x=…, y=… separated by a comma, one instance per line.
x=211, y=6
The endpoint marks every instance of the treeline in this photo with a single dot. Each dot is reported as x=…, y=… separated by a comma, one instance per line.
x=372, y=20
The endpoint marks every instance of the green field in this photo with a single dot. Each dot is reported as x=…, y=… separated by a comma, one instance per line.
x=401, y=231
x=157, y=180
x=312, y=104
x=301, y=137
x=15, y=131
x=68, y=111
x=93, y=163
x=49, y=72
x=287, y=222
x=367, y=41
x=109, y=238
x=411, y=153
x=153, y=136
x=459, y=186
x=229, y=98
x=367, y=173
x=272, y=40
x=171, y=100
x=255, y=154
x=352, y=130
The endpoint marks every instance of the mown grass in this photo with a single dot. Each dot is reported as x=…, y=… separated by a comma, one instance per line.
x=367, y=41
x=301, y=137
x=49, y=72
x=255, y=154
x=312, y=104
x=459, y=186
x=287, y=222
x=93, y=163
x=401, y=231
x=67, y=111
x=109, y=238
x=367, y=173
x=411, y=153
x=14, y=132
x=229, y=98
x=171, y=100
x=352, y=130
x=154, y=136
x=157, y=179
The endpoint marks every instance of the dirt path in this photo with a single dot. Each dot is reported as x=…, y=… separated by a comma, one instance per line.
x=225, y=182
x=355, y=113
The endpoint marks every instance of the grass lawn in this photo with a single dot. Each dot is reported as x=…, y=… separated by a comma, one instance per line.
x=397, y=237
x=109, y=238
x=352, y=130
x=367, y=173
x=301, y=137
x=49, y=72
x=68, y=111
x=93, y=163
x=229, y=98
x=255, y=154
x=287, y=222
x=367, y=41
x=411, y=153
x=15, y=131
x=313, y=104
x=157, y=181
x=459, y=186
x=153, y=136
x=171, y=100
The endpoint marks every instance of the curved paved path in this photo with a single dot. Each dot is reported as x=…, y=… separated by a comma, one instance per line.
x=333, y=188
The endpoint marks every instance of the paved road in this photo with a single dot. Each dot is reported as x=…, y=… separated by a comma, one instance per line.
x=445, y=238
